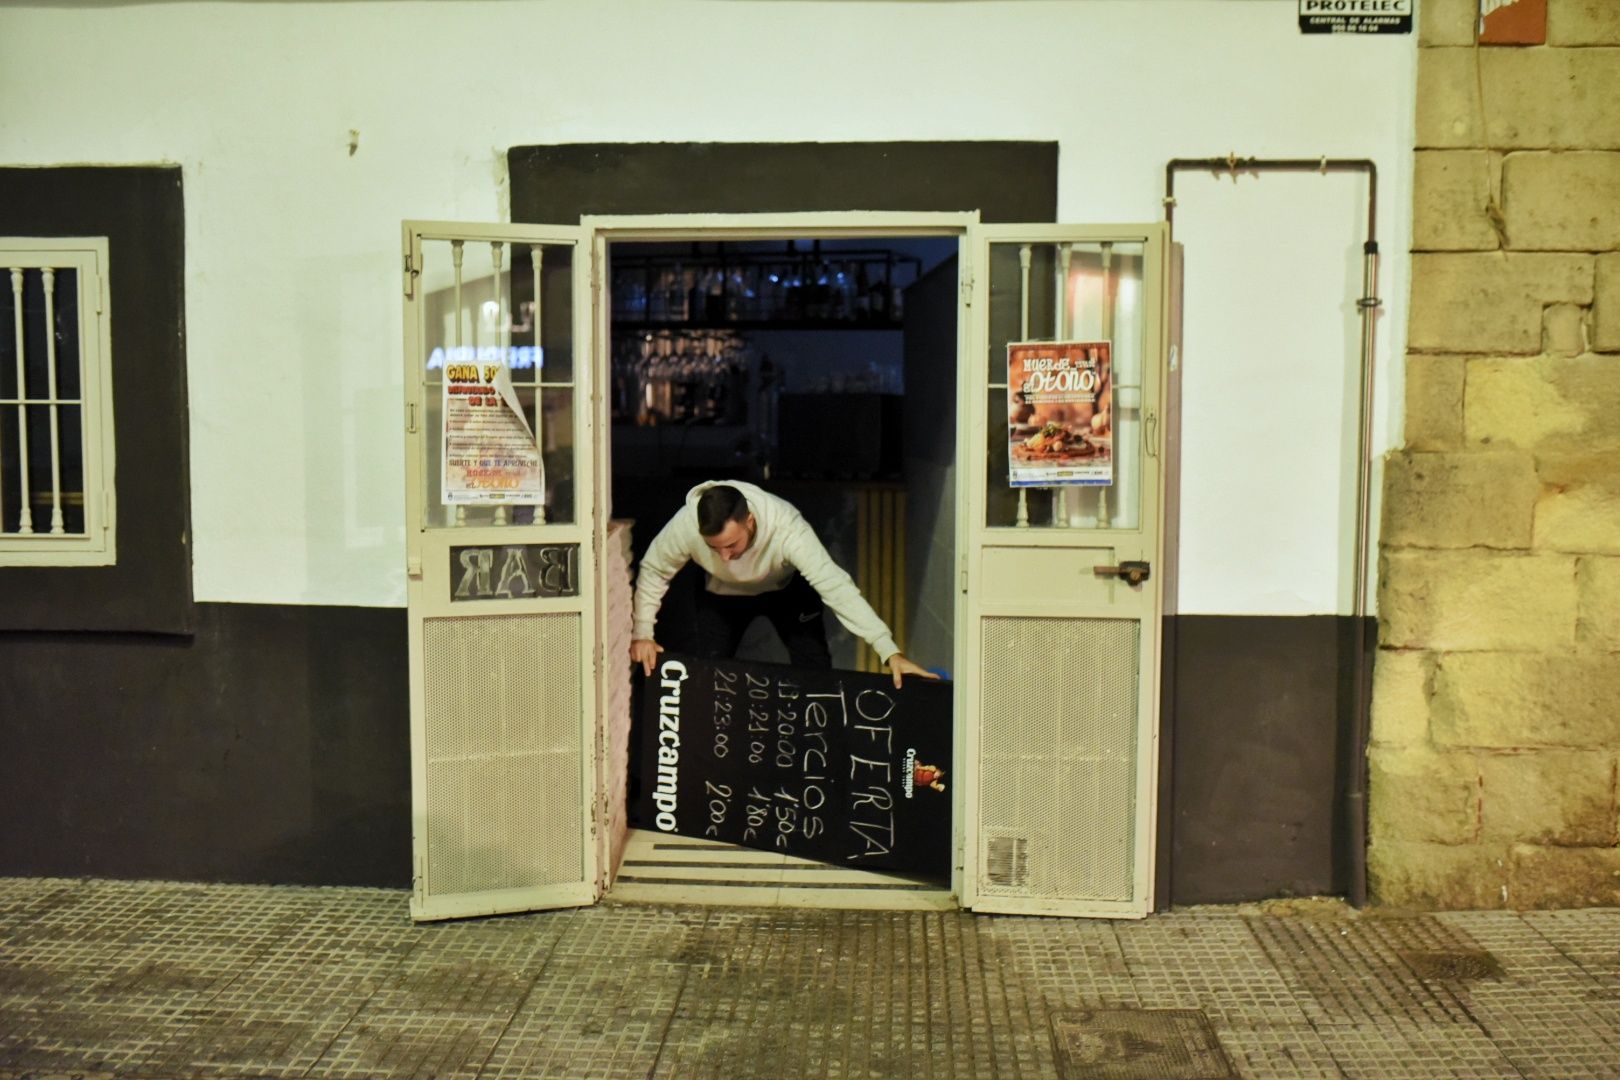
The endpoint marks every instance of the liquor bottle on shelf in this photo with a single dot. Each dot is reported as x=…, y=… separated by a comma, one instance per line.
x=724, y=287
x=714, y=307
x=676, y=301
x=657, y=296
x=841, y=286
x=877, y=301
x=736, y=293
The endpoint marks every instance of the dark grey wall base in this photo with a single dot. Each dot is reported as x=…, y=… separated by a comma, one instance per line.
x=273, y=746
x=1257, y=728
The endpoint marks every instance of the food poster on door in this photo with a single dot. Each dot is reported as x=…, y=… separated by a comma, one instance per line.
x=1060, y=423
x=836, y=766
x=490, y=452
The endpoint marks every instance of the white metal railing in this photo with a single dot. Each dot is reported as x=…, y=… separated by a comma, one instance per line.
x=26, y=395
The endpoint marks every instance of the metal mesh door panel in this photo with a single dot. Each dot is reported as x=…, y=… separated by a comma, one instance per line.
x=1057, y=775
x=503, y=742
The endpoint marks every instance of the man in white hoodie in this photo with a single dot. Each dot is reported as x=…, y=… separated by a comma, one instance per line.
x=762, y=559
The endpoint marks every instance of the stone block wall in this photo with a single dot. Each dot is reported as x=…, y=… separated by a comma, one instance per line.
x=1496, y=705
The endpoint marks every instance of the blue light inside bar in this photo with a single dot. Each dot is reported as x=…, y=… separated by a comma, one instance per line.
x=515, y=357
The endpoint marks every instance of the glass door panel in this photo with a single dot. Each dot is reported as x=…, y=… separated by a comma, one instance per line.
x=480, y=313
x=1090, y=294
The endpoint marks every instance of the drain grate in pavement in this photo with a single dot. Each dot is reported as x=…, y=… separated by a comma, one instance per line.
x=1137, y=1044
x=1452, y=965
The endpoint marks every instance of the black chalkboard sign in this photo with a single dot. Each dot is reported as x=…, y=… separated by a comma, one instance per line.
x=836, y=766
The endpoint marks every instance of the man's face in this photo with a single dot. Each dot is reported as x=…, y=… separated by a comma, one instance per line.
x=731, y=541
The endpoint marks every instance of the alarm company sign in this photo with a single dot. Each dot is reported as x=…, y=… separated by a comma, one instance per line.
x=1355, y=16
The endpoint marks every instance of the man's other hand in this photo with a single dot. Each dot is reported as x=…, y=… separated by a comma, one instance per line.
x=645, y=652
x=903, y=667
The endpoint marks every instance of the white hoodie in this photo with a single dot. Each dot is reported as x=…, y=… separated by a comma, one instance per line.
x=783, y=543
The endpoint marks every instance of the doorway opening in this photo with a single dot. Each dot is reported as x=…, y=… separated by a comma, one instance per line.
x=822, y=368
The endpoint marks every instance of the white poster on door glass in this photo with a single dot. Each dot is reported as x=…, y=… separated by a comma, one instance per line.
x=490, y=454
x=1060, y=425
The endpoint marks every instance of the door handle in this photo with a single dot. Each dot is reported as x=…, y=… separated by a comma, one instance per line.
x=1132, y=572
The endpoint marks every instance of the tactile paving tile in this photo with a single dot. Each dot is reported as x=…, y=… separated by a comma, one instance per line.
x=244, y=917
x=632, y=931
x=20, y=898
x=382, y=1044
x=1209, y=961
x=1526, y=955
x=1589, y=938
x=758, y=986
x=602, y=1002
x=1547, y=1013
x=1020, y=1025
x=1278, y=1051
x=845, y=994
x=1350, y=970
x=279, y=1018
x=160, y=980
x=505, y=940
x=259, y=1042
x=126, y=1006
x=93, y=1040
x=596, y=1025
x=1414, y=1050
x=445, y=987
x=1062, y=962
x=147, y=972
x=95, y=913
x=446, y=1003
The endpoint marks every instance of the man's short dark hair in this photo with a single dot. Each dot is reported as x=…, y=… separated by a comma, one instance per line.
x=719, y=505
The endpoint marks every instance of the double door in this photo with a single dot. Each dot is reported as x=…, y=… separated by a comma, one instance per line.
x=1059, y=491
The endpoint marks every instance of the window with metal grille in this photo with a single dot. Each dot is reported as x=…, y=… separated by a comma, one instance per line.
x=56, y=416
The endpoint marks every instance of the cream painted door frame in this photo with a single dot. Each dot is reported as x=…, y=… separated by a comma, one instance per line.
x=850, y=225
x=1034, y=769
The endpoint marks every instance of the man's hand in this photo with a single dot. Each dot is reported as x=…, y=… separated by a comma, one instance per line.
x=645, y=652
x=903, y=667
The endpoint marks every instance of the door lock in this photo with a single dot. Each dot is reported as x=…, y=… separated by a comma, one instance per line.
x=1131, y=572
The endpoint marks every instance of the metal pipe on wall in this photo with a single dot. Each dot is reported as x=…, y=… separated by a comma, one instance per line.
x=1368, y=304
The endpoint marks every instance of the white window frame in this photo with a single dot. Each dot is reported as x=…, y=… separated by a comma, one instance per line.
x=96, y=546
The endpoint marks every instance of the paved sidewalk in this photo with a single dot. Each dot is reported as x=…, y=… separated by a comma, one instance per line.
x=167, y=980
